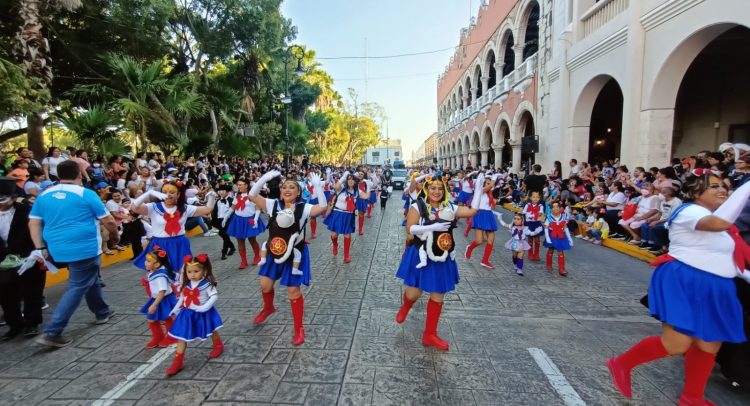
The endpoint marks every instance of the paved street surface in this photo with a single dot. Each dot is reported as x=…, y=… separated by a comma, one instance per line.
x=355, y=353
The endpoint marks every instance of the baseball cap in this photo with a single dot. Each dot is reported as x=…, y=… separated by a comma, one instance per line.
x=102, y=185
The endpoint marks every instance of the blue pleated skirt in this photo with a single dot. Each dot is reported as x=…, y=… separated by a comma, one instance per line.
x=535, y=225
x=465, y=197
x=162, y=310
x=696, y=303
x=559, y=244
x=362, y=204
x=484, y=220
x=436, y=277
x=283, y=272
x=340, y=222
x=176, y=247
x=313, y=202
x=190, y=325
x=406, y=201
x=239, y=227
x=373, y=197
x=328, y=195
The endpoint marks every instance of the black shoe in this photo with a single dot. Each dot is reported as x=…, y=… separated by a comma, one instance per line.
x=615, y=235
x=31, y=331
x=223, y=256
x=102, y=284
x=643, y=244
x=53, y=341
x=231, y=252
x=11, y=334
x=657, y=251
x=106, y=319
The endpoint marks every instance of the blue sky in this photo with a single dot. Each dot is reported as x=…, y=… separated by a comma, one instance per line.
x=335, y=28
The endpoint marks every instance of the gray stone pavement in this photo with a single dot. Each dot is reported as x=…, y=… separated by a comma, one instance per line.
x=355, y=353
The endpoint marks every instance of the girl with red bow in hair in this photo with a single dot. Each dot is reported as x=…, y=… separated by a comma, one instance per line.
x=158, y=284
x=197, y=318
x=168, y=216
x=341, y=219
x=692, y=291
x=533, y=213
x=286, y=232
x=245, y=223
x=484, y=222
x=557, y=237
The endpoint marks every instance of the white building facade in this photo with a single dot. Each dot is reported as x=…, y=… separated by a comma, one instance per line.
x=384, y=153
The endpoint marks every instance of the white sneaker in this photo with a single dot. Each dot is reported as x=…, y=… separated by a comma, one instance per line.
x=210, y=234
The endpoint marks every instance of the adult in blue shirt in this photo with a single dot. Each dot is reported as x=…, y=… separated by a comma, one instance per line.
x=64, y=224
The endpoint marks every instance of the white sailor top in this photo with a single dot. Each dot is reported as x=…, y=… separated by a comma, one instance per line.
x=532, y=212
x=433, y=213
x=486, y=202
x=467, y=185
x=345, y=201
x=168, y=222
x=243, y=206
x=158, y=281
x=195, y=295
x=520, y=233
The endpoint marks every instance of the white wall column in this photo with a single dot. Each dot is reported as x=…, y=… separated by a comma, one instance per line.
x=516, y=145
x=483, y=152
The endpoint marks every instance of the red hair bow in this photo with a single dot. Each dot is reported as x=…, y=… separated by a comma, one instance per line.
x=703, y=171
x=156, y=247
x=186, y=259
x=191, y=296
x=161, y=254
x=179, y=183
x=202, y=258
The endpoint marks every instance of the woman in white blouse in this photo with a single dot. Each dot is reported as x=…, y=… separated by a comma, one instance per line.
x=49, y=164
x=692, y=291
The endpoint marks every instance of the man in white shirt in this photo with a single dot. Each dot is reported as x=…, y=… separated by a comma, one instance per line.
x=574, y=168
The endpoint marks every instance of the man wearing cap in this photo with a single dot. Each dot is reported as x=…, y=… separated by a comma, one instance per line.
x=64, y=224
x=14, y=288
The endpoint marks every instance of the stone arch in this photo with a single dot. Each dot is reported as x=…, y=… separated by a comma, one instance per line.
x=460, y=97
x=474, y=139
x=529, y=13
x=519, y=121
x=465, y=143
x=506, y=52
x=586, y=99
x=468, y=89
x=485, y=136
x=489, y=67
x=477, y=81
x=502, y=119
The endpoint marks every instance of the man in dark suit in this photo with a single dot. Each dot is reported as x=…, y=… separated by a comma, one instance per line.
x=14, y=289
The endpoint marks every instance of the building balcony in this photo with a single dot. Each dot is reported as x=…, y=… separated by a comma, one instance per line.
x=600, y=14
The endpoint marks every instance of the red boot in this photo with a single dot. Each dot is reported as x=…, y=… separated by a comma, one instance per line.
x=620, y=367
x=177, y=364
x=156, y=334
x=218, y=347
x=534, y=252
x=256, y=254
x=404, y=310
x=430, y=337
x=486, y=258
x=369, y=211
x=698, y=366
x=470, y=248
x=361, y=220
x=549, y=259
x=561, y=264
x=347, y=245
x=313, y=228
x=267, y=309
x=167, y=340
x=298, y=313
x=335, y=241
x=243, y=258
x=468, y=227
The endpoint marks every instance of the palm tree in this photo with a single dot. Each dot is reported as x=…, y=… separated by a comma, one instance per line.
x=33, y=49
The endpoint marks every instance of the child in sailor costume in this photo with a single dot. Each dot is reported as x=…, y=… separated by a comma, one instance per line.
x=374, y=186
x=287, y=233
x=484, y=222
x=309, y=196
x=533, y=213
x=363, y=201
x=692, y=290
x=340, y=221
x=245, y=223
x=519, y=239
x=168, y=217
x=197, y=318
x=557, y=237
x=161, y=300
x=430, y=214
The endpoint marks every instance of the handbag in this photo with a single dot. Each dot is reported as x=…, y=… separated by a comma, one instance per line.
x=629, y=211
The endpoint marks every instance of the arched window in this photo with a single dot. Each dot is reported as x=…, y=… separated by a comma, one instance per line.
x=468, y=92
x=509, y=58
x=478, y=80
x=491, y=69
x=531, y=40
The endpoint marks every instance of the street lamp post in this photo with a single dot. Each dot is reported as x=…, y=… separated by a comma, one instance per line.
x=287, y=98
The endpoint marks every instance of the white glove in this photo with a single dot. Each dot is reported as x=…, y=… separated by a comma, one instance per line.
x=318, y=190
x=147, y=195
x=176, y=309
x=732, y=207
x=478, y=190
x=744, y=275
x=417, y=229
x=343, y=177
x=499, y=217
x=420, y=178
x=255, y=190
x=204, y=307
x=256, y=218
x=546, y=236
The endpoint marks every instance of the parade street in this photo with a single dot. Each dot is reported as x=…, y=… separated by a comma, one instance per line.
x=535, y=340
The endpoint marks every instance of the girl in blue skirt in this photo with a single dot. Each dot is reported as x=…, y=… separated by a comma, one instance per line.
x=286, y=232
x=245, y=223
x=557, y=236
x=197, y=318
x=161, y=300
x=431, y=214
x=340, y=221
x=692, y=290
x=168, y=216
x=484, y=222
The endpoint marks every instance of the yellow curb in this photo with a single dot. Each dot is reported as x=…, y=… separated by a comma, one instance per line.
x=107, y=260
x=619, y=246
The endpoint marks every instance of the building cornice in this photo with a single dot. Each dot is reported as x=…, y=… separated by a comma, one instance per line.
x=603, y=47
x=666, y=11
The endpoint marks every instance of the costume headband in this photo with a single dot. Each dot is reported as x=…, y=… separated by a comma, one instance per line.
x=702, y=171
x=198, y=259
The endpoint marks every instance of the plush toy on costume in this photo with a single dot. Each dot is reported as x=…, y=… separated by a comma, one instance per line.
x=436, y=248
x=285, y=220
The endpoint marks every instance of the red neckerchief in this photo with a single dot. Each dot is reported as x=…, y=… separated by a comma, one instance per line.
x=191, y=296
x=173, y=226
x=362, y=186
x=557, y=229
x=310, y=188
x=241, y=200
x=534, y=210
x=741, y=249
x=146, y=286
x=492, y=200
x=350, y=202
x=471, y=184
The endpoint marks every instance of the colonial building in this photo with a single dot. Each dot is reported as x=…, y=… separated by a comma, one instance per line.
x=487, y=96
x=639, y=80
x=385, y=152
